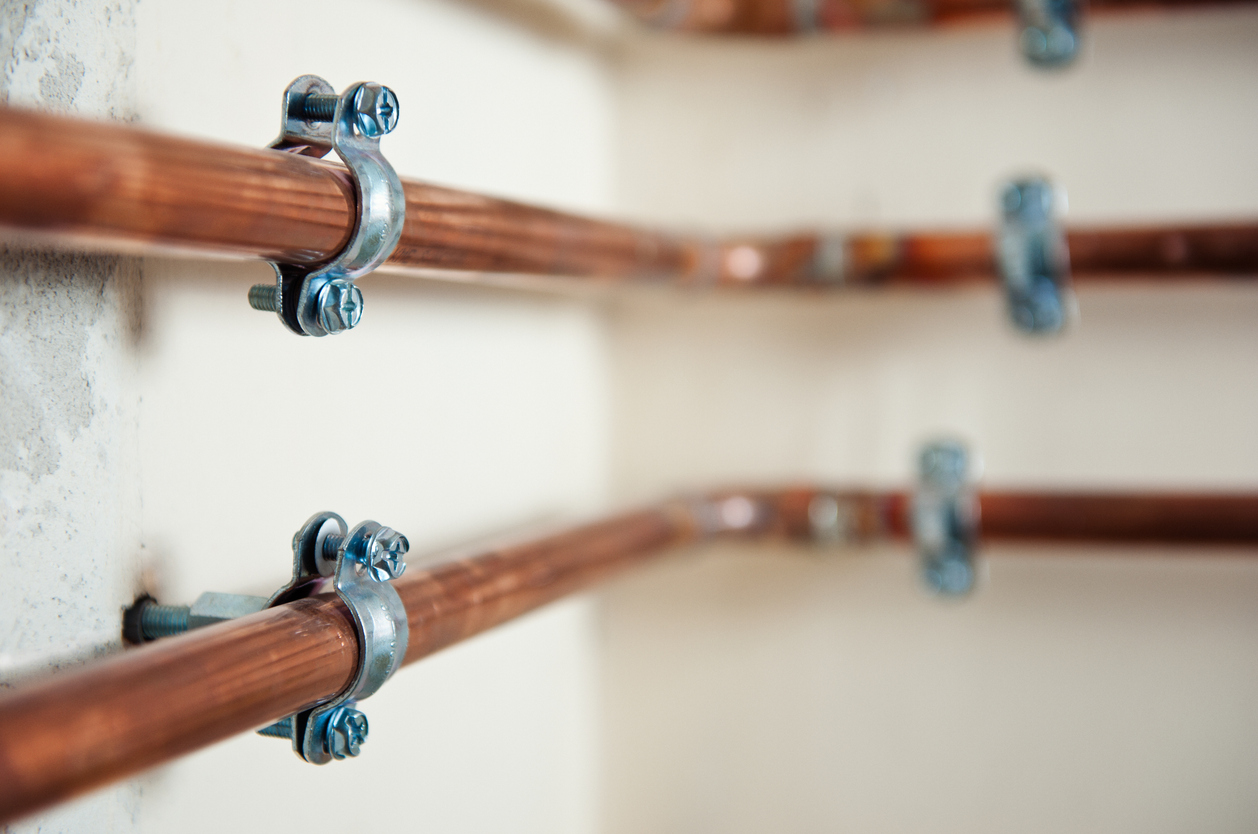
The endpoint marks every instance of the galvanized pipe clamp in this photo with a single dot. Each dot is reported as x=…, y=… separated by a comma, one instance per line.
x=945, y=519
x=1049, y=31
x=360, y=563
x=314, y=121
x=1033, y=259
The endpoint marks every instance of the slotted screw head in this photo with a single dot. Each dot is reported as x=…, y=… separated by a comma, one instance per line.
x=944, y=464
x=375, y=110
x=385, y=551
x=345, y=732
x=340, y=305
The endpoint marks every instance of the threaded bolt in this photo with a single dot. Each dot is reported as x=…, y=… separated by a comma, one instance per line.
x=265, y=297
x=163, y=620
x=314, y=107
x=374, y=108
x=331, y=545
x=280, y=729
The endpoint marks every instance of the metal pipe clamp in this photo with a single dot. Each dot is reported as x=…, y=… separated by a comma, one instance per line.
x=360, y=563
x=315, y=120
x=945, y=519
x=1033, y=259
x=1049, y=31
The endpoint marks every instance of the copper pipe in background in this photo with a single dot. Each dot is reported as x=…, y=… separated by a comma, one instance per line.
x=793, y=17
x=124, y=189
x=111, y=719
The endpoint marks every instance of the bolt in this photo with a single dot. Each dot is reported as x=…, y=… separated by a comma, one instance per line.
x=340, y=305
x=952, y=575
x=944, y=464
x=345, y=732
x=280, y=729
x=265, y=297
x=384, y=553
x=375, y=109
x=147, y=620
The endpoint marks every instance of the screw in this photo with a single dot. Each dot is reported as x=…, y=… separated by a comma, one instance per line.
x=384, y=553
x=950, y=575
x=375, y=109
x=146, y=620
x=345, y=732
x=340, y=305
x=280, y=729
x=944, y=464
x=265, y=297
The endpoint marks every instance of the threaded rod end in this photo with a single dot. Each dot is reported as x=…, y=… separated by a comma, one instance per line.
x=315, y=107
x=163, y=620
x=332, y=544
x=280, y=729
x=265, y=297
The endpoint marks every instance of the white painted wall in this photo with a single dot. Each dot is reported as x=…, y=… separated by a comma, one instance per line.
x=1077, y=690
x=451, y=413
x=159, y=434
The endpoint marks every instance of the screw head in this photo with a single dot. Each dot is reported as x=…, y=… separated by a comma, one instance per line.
x=375, y=110
x=384, y=553
x=345, y=732
x=340, y=305
x=944, y=464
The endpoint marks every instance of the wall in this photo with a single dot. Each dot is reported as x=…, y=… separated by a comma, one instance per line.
x=70, y=508
x=160, y=435
x=1078, y=689
x=451, y=413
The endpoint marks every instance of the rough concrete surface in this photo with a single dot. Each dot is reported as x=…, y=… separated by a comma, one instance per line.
x=69, y=499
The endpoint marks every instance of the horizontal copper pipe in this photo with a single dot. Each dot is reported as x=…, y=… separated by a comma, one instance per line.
x=82, y=729
x=121, y=188
x=792, y=17
x=1162, y=518
x=124, y=188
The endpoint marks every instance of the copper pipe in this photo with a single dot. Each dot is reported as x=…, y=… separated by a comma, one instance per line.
x=82, y=729
x=1165, y=518
x=125, y=189
x=791, y=17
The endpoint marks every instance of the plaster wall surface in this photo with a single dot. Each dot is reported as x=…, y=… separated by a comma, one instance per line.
x=69, y=492
x=451, y=413
x=1078, y=689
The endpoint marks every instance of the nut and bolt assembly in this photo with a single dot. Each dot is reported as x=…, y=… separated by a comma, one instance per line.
x=323, y=300
x=374, y=109
x=339, y=303
x=358, y=564
x=344, y=731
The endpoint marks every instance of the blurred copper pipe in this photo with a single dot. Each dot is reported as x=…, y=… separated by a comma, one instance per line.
x=86, y=728
x=794, y=17
x=124, y=189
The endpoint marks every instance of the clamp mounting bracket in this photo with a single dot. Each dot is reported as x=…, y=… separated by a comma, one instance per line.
x=1033, y=259
x=315, y=120
x=945, y=519
x=359, y=563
